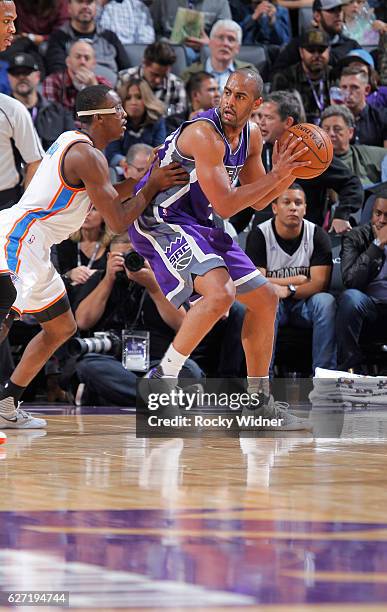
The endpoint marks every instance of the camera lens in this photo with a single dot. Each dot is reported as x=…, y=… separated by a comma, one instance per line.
x=134, y=261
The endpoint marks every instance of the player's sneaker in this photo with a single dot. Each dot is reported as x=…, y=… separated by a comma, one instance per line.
x=156, y=382
x=274, y=410
x=19, y=419
x=156, y=372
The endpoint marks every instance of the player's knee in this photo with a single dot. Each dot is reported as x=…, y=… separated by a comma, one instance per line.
x=70, y=329
x=8, y=293
x=222, y=298
x=58, y=334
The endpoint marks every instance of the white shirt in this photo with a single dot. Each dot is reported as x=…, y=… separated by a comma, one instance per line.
x=16, y=123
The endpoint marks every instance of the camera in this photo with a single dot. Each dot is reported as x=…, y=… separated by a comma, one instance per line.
x=134, y=261
x=101, y=342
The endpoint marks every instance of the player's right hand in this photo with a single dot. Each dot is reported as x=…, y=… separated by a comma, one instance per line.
x=285, y=160
x=168, y=176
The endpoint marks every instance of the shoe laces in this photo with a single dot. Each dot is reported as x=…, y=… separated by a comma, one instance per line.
x=278, y=408
x=23, y=413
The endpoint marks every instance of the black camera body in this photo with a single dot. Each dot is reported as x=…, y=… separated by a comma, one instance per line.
x=133, y=262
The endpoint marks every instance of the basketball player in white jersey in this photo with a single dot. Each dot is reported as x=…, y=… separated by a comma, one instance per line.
x=73, y=172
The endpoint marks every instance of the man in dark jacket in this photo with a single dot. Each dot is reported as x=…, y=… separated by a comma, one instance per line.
x=50, y=118
x=329, y=16
x=364, y=272
x=109, y=51
x=311, y=76
x=279, y=111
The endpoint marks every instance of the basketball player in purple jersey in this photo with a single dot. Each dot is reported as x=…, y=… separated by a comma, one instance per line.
x=190, y=255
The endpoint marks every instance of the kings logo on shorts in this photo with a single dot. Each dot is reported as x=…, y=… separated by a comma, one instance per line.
x=179, y=253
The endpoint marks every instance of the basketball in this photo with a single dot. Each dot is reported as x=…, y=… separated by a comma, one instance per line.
x=320, y=149
x=3, y=437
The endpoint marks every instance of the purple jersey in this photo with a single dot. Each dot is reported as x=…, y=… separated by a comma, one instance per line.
x=180, y=204
x=177, y=234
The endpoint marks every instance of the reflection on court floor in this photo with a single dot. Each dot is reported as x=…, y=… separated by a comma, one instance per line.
x=123, y=522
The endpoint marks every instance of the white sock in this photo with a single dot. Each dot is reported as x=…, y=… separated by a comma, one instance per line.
x=258, y=384
x=172, y=362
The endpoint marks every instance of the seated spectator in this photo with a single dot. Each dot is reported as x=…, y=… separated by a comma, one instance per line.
x=115, y=299
x=364, y=271
x=267, y=23
x=279, y=111
x=37, y=20
x=362, y=160
x=203, y=92
x=360, y=23
x=144, y=121
x=224, y=45
x=85, y=251
x=328, y=15
x=312, y=76
x=49, y=118
x=167, y=87
x=129, y=19
x=109, y=51
x=296, y=256
x=362, y=61
x=370, y=122
x=62, y=87
x=138, y=159
x=164, y=14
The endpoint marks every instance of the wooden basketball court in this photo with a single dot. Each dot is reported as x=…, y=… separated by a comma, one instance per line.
x=287, y=523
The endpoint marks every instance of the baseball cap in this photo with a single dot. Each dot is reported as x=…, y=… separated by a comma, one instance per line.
x=327, y=5
x=22, y=60
x=358, y=54
x=314, y=38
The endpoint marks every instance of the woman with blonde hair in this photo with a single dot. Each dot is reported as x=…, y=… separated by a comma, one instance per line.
x=145, y=121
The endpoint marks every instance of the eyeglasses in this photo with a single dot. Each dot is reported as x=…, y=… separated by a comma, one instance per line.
x=21, y=72
x=139, y=169
x=319, y=50
x=225, y=38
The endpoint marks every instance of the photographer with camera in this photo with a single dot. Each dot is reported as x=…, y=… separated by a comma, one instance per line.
x=124, y=296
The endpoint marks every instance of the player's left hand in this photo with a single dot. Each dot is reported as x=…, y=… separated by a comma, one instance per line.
x=168, y=176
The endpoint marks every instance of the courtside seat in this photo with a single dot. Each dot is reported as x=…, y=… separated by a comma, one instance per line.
x=136, y=52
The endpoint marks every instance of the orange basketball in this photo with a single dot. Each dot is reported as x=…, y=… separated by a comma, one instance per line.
x=320, y=149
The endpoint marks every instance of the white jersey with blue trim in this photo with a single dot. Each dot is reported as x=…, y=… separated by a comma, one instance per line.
x=49, y=210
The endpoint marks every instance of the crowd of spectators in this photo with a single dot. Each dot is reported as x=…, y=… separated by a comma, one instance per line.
x=323, y=61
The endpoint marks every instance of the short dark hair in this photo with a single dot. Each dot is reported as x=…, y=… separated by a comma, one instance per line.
x=90, y=98
x=287, y=106
x=160, y=53
x=195, y=81
x=295, y=186
x=253, y=75
x=353, y=71
x=120, y=239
